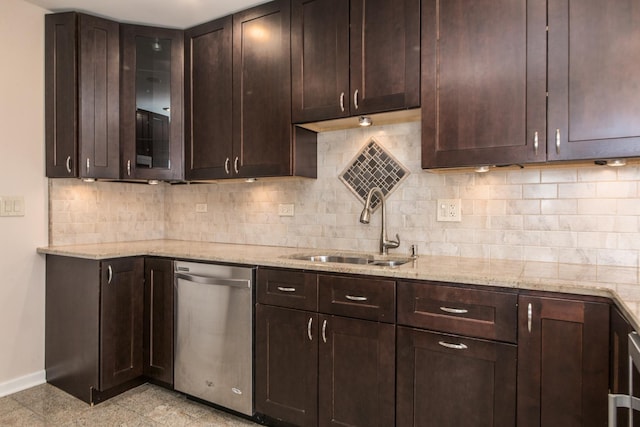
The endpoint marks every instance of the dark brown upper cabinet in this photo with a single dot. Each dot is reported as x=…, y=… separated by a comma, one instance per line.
x=208, y=99
x=82, y=60
x=594, y=84
x=483, y=82
x=151, y=103
x=238, y=93
x=368, y=63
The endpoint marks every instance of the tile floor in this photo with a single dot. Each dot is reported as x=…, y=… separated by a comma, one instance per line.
x=146, y=405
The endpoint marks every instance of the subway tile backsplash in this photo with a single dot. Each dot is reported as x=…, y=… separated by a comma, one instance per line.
x=573, y=214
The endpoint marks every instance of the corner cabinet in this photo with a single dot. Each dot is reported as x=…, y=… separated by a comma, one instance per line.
x=357, y=57
x=151, y=104
x=325, y=369
x=238, y=90
x=82, y=90
x=562, y=362
x=94, y=325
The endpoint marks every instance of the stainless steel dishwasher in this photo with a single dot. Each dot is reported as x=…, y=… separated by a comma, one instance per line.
x=214, y=338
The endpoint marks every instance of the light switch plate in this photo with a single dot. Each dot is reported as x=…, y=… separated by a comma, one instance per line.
x=11, y=206
x=285, y=209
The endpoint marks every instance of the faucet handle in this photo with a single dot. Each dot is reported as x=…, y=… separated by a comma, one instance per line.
x=392, y=244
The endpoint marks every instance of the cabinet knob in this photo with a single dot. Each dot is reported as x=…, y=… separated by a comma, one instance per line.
x=69, y=164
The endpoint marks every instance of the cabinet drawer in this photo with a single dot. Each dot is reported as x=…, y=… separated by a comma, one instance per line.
x=465, y=311
x=287, y=288
x=368, y=299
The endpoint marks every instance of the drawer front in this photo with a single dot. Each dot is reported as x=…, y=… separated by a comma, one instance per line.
x=287, y=288
x=458, y=310
x=361, y=298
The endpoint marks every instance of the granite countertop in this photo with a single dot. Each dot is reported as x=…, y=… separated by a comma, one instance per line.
x=618, y=283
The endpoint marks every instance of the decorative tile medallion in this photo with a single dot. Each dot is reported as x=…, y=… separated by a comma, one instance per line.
x=372, y=167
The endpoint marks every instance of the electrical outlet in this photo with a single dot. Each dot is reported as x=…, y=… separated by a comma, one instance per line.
x=285, y=209
x=449, y=210
x=201, y=207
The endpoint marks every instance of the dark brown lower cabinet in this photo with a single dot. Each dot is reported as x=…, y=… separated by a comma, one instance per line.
x=563, y=355
x=321, y=370
x=286, y=365
x=93, y=333
x=448, y=380
x=158, y=320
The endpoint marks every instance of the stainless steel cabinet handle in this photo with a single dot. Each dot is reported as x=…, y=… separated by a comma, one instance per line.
x=235, y=164
x=215, y=281
x=529, y=316
x=454, y=310
x=283, y=289
x=69, y=164
x=355, y=99
x=355, y=298
x=109, y=274
x=324, y=331
x=557, y=141
x=453, y=346
x=227, y=164
x=88, y=164
x=535, y=143
x=342, y=102
x=128, y=167
x=309, y=328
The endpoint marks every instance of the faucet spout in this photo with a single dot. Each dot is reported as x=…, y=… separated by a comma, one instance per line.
x=365, y=216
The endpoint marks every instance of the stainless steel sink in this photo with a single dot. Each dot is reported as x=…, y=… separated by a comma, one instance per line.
x=354, y=259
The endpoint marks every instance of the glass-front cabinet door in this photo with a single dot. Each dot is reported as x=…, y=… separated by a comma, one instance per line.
x=151, y=103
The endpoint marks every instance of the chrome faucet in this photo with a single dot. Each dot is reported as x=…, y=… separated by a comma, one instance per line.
x=365, y=216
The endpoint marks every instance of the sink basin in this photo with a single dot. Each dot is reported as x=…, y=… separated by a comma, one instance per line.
x=354, y=259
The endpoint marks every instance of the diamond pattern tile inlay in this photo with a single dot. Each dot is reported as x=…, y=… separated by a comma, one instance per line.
x=372, y=167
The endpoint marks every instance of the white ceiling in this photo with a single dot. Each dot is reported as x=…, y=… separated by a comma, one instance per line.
x=166, y=13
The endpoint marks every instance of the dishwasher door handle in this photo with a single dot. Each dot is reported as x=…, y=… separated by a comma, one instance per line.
x=208, y=280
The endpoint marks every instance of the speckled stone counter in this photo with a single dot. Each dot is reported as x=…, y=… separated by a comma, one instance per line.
x=621, y=284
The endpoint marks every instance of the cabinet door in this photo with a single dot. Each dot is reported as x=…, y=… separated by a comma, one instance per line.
x=448, y=380
x=356, y=372
x=594, y=86
x=152, y=85
x=99, y=68
x=208, y=100
x=286, y=365
x=61, y=95
x=385, y=55
x=320, y=59
x=562, y=362
x=262, y=143
x=158, y=319
x=483, y=82
x=82, y=87
x=121, y=324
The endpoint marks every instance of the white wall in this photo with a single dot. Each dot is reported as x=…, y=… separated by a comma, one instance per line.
x=22, y=271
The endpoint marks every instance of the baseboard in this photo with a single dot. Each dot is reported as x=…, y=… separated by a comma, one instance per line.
x=22, y=383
